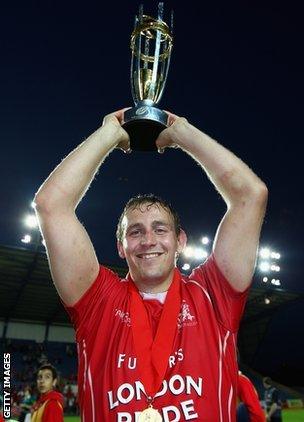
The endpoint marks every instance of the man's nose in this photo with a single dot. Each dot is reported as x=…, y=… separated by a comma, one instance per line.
x=148, y=238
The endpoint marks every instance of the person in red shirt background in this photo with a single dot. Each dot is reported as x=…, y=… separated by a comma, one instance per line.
x=49, y=406
x=249, y=398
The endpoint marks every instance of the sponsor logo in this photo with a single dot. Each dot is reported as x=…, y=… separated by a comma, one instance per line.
x=124, y=316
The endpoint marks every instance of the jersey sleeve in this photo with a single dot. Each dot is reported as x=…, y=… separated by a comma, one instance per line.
x=84, y=312
x=248, y=395
x=53, y=412
x=227, y=302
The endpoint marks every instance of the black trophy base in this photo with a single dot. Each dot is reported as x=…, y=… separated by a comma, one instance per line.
x=144, y=123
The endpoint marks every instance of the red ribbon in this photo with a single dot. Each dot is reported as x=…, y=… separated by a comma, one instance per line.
x=153, y=354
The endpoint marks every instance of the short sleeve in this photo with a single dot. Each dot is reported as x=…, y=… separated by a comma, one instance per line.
x=53, y=412
x=249, y=396
x=275, y=396
x=227, y=302
x=89, y=305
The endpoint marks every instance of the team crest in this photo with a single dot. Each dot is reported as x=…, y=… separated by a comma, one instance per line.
x=185, y=318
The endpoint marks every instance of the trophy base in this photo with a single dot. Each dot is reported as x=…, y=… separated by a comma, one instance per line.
x=143, y=124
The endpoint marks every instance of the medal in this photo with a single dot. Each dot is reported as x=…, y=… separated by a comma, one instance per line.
x=150, y=415
x=153, y=353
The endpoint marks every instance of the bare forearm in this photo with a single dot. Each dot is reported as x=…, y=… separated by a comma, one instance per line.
x=272, y=410
x=230, y=175
x=71, y=178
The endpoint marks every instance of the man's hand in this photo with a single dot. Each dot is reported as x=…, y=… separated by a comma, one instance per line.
x=169, y=136
x=113, y=122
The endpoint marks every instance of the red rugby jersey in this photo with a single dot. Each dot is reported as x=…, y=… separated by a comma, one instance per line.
x=201, y=378
x=247, y=394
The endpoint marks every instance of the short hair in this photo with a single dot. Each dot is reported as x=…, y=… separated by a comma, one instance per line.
x=49, y=367
x=149, y=200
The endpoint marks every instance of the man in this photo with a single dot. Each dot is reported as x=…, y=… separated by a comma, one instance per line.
x=156, y=345
x=49, y=406
x=250, y=408
x=272, y=402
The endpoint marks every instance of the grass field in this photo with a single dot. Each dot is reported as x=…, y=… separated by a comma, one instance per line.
x=288, y=416
x=293, y=415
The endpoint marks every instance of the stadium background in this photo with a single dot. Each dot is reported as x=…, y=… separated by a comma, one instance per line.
x=35, y=329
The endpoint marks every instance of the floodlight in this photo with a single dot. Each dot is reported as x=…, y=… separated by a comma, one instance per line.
x=265, y=253
x=186, y=267
x=267, y=300
x=188, y=252
x=265, y=279
x=200, y=253
x=275, y=282
x=31, y=221
x=205, y=240
x=275, y=255
x=264, y=266
x=26, y=238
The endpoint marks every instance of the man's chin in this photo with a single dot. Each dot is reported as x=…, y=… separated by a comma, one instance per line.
x=154, y=276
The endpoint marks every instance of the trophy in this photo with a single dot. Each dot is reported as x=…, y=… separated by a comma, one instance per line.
x=151, y=45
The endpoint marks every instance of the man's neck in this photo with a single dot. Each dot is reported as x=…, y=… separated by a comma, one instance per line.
x=154, y=286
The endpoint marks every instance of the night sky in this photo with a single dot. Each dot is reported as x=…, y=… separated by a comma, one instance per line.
x=236, y=73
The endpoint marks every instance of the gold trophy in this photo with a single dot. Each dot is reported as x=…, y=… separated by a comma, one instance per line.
x=151, y=45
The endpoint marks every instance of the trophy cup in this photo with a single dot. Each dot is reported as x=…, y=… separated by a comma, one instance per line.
x=151, y=45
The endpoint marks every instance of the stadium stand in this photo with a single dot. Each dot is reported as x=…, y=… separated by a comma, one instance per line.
x=35, y=328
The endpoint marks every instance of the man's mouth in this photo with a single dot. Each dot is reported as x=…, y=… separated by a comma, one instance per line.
x=149, y=255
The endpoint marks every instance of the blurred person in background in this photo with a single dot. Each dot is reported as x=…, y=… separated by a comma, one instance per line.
x=26, y=403
x=49, y=406
x=272, y=401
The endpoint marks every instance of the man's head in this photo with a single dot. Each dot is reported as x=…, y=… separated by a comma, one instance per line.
x=267, y=382
x=46, y=378
x=150, y=238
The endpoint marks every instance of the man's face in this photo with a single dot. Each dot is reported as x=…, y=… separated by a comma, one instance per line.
x=45, y=381
x=150, y=244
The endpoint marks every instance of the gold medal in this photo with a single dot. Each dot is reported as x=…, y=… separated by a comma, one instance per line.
x=150, y=415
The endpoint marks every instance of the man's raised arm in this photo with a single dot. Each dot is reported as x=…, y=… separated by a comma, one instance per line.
x=71, y=255
x=237, y=237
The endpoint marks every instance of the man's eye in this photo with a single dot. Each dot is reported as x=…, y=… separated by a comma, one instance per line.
x=160, y=230
x=134, y=233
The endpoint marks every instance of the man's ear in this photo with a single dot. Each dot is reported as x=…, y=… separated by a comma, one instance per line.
x=120, y=249
x=182, y=241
